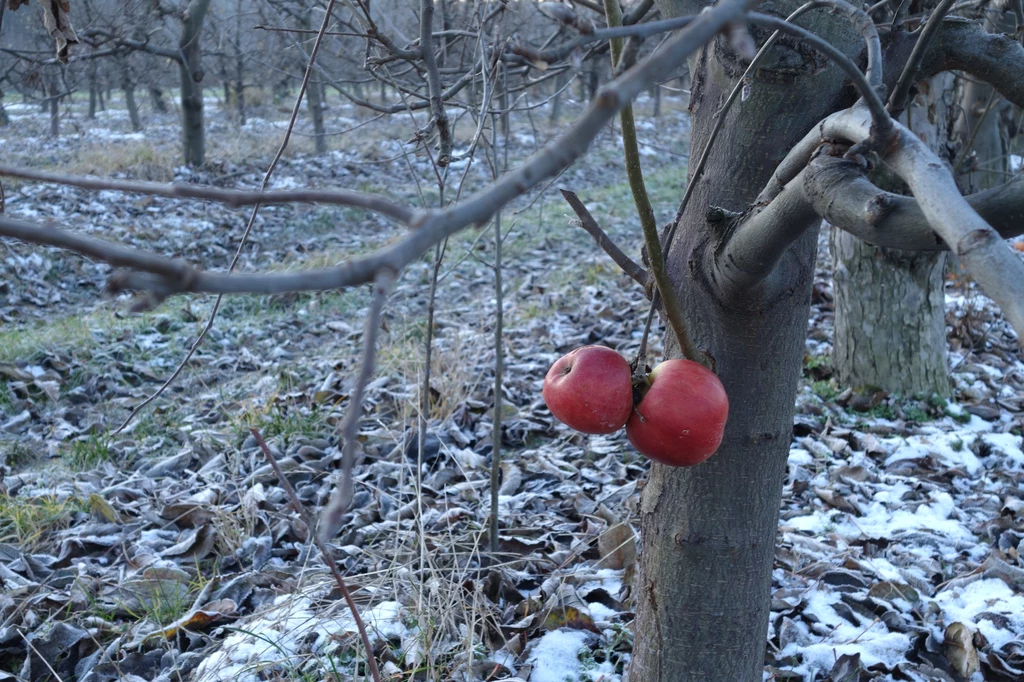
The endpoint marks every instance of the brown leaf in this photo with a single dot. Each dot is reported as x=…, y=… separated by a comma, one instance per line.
x=960, y=650
x=57, y=23
x=200, y=619
x=617, y=547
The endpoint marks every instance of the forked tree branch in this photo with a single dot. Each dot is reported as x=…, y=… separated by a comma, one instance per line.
x=331, y=517
x=588, y=223
x=234, y=198
x=998, y=270
x=325, y=552
x=765, y=233
x=842, y=194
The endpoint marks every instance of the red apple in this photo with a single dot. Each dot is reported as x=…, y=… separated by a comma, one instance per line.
x=590, y=390
x=681, y=418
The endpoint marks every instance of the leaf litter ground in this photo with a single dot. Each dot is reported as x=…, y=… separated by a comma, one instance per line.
x=169, y=552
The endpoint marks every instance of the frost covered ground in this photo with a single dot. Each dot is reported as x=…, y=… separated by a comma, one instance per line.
x=170, y=552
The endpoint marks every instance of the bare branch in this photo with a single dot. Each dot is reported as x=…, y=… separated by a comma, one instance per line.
x=882, y=123
x=995, y=58
x=324, y=552
x=330, y=520
x=234, y=198
x=900, y=94
x=998, y=271
x=588, y=223
x=437, y=109
x=840, y=193
x=756, y=246
x=108, y=252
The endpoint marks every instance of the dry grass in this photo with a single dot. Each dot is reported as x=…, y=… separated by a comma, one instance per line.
x=136, y=159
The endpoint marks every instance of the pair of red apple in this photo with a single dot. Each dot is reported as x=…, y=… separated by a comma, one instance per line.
x=679, y=419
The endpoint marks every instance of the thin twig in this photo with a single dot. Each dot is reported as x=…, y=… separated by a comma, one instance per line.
x=330, y=520
x=498, y=346
x=324, y=552
x=634, y=172
x=901, y=93
x=437, y=108
x=248, y=227
x=230, y=197
x=588, y=223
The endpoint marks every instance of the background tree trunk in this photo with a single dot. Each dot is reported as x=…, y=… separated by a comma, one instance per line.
x=315, y=101
x=890, y=312
x=54, y=104
x=708, y=532
x=129, y=97
x=93, y=89
x=890, y=317
x=239, y=65
x=556, y=100
x=156, y=96
x=191, y=75
x=979, y=125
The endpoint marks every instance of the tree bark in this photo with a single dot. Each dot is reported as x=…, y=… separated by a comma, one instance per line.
x=978, y=127
x=93, y=89
x=129, y=97
x=239, y=65
x=191, y=75
x=556, y=100
x=156, y=96
x=315, y=103
x=54, y=104
x=708, y=532
x=890, y=313
x=890, y=317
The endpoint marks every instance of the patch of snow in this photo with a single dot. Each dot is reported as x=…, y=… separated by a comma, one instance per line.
x=949, y=449
x=1007, y=445
x=555, y=658
x=800, y=457
x=839, y=637
x=965, y=604
x=878, y=521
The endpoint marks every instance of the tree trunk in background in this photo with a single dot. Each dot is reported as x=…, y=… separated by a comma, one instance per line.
x=156, y=96
x=54, y=104
x=979, y=126
x=315, y=102
x=556, y=99
x=191, y=74
x=129, y=97
x=708, y=532
x=133, y=107
x=316, y=112
x=890, y=306
x=239, y=65
x=890, y=317
x=5, y=120
x=93, y=89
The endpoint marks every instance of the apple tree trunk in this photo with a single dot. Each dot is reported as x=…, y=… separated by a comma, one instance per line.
x=191, y=75
x=890, y=312
x=708, y=532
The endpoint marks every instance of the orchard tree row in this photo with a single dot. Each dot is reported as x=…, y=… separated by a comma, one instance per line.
x=867, y=117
